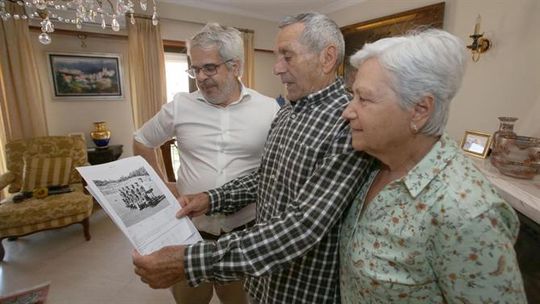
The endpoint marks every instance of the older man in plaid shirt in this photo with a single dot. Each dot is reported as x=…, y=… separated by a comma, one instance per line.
x=308, y=176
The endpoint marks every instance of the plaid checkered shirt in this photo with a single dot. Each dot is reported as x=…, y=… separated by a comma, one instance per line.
x=308, y=176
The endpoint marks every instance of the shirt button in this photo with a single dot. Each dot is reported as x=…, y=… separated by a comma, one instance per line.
x=293, y=116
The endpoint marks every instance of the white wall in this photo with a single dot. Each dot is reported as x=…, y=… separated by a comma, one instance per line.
x=67, y=115
x=193, y=19
x=506, y=80
x=265, y=81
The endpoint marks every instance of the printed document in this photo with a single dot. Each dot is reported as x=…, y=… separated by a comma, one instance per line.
x=139, y=203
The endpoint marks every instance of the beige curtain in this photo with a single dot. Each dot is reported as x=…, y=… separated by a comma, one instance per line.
x=3, y=168
x=146, y=70
x=146, y=73
x=21, y=102
x=22, y=111
x=248, y=78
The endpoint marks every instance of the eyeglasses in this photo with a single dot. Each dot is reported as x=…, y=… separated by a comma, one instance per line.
x=208, y=69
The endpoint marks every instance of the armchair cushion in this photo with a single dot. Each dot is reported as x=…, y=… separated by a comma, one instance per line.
x=41, y=172
x=48, y=147
x=40, y=214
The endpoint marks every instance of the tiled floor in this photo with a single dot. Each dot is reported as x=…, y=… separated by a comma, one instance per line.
x=98, y=271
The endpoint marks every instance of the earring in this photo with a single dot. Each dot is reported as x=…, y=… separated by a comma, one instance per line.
x=414, y=128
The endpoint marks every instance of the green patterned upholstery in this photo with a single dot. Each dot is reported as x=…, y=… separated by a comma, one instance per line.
x=54, y=211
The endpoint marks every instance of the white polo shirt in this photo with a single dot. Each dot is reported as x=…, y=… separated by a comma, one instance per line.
x=216, y=144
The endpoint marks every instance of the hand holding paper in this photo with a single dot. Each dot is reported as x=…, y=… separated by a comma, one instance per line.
x=161, y=269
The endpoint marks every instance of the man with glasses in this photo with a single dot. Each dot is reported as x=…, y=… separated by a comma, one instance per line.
x=220, y=130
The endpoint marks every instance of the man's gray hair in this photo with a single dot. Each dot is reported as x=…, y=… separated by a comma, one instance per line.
x=421, y=63
x=319, y=32
x=227, y=40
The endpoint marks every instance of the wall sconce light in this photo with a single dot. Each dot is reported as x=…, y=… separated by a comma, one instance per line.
x=479, y=44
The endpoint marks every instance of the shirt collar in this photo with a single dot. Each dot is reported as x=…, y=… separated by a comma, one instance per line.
x=442, y=153
x=320, y=96
x=244, y=94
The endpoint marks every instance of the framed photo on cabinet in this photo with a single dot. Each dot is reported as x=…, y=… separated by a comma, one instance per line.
x=476, y=143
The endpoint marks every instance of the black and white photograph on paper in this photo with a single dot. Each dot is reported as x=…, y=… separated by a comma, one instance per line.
x=134, y=197
x=137, y=200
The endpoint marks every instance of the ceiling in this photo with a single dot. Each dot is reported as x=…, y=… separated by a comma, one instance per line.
x=272, y=10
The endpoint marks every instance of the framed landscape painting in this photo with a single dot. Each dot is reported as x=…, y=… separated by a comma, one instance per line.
x=86, y=76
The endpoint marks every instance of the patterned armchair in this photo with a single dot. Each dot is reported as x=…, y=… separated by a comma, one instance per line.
x=55, y=210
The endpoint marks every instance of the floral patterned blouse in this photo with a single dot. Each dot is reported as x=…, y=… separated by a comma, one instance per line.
x=440, y=234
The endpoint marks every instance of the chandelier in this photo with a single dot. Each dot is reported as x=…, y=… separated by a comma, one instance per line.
x=75, y=12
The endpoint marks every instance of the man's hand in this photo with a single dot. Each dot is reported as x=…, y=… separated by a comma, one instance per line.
x=162, y=268
x=193, y=205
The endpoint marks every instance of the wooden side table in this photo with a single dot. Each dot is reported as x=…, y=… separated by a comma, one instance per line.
x=98, y=156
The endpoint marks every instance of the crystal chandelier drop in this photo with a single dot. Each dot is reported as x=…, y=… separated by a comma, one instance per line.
x=75, y=12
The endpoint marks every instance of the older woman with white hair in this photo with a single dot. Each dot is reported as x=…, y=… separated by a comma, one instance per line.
x=427, y=227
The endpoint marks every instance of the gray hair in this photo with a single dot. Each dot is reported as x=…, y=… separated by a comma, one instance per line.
x=421, y=63
x=227, y=40
x=319, y=32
